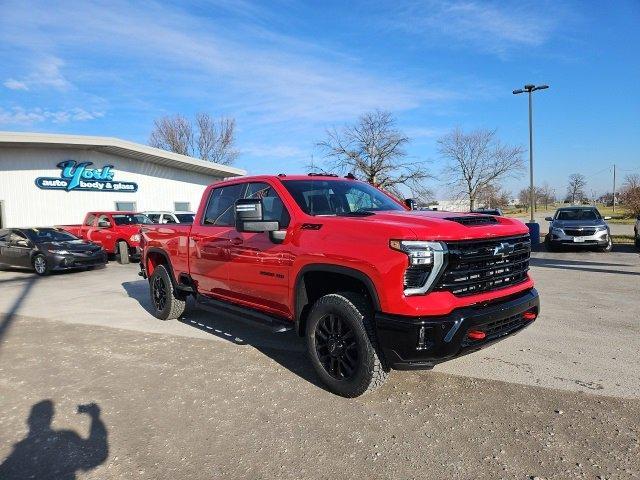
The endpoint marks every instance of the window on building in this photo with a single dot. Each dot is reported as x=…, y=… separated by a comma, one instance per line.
x=126, y=206
x=182, y=206
x=220, y=205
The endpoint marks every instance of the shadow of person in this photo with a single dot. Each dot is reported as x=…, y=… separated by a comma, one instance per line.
x=49, y=454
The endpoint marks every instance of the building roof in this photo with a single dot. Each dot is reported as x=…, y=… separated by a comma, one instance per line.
x=119, y=147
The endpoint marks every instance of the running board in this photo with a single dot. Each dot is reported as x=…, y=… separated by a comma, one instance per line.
x=275, y=324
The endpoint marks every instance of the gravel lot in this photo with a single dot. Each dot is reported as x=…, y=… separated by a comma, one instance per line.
x=213, y=397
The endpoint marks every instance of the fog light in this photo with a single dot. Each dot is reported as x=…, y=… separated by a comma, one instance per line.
x=530, y=315
x=422, y=338
x=476, y=335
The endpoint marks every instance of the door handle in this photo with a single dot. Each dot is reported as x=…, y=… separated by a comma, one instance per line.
x=236, y=241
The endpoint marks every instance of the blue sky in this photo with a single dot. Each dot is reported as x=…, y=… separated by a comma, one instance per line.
x=288, y=70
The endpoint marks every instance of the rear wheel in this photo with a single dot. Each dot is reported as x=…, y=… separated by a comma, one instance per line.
x=342, y=344
x=168, y=304
x=123, y=252
x=40, y=265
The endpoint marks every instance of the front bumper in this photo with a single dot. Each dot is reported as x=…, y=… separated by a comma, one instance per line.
x=66, y=262
x=445, y=337
x=600, y=238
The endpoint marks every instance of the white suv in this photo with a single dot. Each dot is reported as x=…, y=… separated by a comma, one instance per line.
x=171, y=217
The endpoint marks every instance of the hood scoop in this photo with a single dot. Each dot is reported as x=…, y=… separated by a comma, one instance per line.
x=474, y=220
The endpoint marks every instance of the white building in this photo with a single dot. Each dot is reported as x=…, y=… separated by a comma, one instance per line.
x=450, y=205
x=48, y=179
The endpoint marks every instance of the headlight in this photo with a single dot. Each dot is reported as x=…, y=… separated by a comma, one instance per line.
x=60, y=252
x=135, y=238
x=425, y=259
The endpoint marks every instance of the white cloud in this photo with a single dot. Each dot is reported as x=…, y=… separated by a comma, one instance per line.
x=490, y=27
x=22, y=116
x=269, y=77
x=13, y=84
x=46, y=74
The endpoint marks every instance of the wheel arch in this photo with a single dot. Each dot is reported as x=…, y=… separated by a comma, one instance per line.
x=316, y=280
x=153, y=258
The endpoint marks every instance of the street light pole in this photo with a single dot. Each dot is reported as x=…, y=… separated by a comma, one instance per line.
x=530, y=89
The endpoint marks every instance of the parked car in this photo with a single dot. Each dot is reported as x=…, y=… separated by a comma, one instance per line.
x=636, y=231
x=170, y=217
x=372, y=285
x=48, y=249
x=488, y=211
x=117, y=232
x=578, y=226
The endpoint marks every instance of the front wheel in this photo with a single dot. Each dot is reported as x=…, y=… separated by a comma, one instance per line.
x=342, y=344
x=167, y=303
x=40, y=265
x=608, y=247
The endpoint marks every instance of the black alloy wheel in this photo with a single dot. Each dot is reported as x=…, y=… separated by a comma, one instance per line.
x=159, y=290
x=336, y=347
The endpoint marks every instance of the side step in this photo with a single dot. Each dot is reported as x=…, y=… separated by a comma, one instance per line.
x=275, y=324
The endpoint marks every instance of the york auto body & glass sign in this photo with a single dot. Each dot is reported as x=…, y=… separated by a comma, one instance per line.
x=78, y=176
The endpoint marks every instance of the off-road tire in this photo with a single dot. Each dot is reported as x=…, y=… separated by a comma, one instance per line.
x=370, y=371
x=123, y=252
x=174, y=302
x=37, y=262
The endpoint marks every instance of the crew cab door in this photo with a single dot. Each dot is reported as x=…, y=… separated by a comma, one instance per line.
x=210, y=240
x=102, y=233
x=259, y=266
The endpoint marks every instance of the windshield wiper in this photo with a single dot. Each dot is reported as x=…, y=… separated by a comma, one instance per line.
x=357, y=213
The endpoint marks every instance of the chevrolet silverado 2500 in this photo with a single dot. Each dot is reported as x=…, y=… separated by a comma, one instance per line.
x=372, y=285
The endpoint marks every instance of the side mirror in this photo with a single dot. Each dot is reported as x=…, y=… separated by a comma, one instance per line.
x=104, y=224
x=250, y=218
x=410, y=203
x=549, y=219
x=608, y=218
x=22, y=243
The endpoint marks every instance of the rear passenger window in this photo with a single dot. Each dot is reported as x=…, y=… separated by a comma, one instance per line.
x=220, y=205
x=89, y=221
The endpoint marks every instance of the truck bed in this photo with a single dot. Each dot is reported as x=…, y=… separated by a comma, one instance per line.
x=171, y=238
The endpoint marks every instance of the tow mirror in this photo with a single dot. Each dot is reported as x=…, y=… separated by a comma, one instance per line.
x=410, y=203
x=549, y=219
x=249, y=216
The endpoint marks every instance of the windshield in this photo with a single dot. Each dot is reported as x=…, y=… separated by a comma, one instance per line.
x=578, y=214
x=185, y=217
x=40, y=235
x=131, y=219
x=338, y=197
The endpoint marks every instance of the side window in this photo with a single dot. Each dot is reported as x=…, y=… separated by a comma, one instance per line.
x=155, y=217
x=273, y=207
x=4, y=235
x=89, y=221
x=15, y=236
x=220, y=205
x=104, y=218
x=168, y=219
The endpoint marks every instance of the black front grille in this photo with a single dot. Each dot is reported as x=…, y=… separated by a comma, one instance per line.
x=482, y=265
x=499, y=328
x=474, y=220
x=584, y=232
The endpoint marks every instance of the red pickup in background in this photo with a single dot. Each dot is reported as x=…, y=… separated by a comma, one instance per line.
x=117, y=232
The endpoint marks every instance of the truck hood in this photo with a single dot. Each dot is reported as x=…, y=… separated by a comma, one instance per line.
x=430, y=225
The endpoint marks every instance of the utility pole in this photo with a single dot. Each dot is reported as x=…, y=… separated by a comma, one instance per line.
x=533, y=229
x=614, y=188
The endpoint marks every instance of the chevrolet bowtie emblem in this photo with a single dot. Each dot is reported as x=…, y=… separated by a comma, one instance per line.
x=503, y=249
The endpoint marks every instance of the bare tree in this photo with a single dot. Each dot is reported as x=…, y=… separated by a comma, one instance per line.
x=576, y=186
x=630, y=193
x=493, y=196
x=546, y=194
x=374, y=149
x=478, y=159
x=207, y=138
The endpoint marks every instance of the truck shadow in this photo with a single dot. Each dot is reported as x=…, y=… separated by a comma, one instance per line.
x=285, y=348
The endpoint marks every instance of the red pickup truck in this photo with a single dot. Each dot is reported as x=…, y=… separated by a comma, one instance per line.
x=117, y=232
x=371, y=284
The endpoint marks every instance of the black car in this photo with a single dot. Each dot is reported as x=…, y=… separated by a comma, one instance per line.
x=48, y=249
